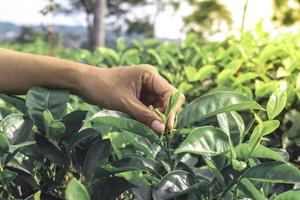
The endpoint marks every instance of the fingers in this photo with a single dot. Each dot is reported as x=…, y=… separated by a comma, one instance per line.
x=155, y=83
x=143, y=114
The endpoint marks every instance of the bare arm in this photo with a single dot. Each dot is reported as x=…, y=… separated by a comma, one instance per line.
x=21, y=71
x=128, y=89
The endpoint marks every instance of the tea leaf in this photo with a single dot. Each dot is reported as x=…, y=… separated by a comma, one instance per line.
x=40, y=99
x=243, y=152
x=97, y=154
x=289, y=195
x=273, y=172
x=262, y=129
x=128, y=125
x=207, y=141
x=76, y=191
x=276, y=103
x=250, y=190
x=172, y=103
x=4, y=145
x=175, y=184
x=214, y=103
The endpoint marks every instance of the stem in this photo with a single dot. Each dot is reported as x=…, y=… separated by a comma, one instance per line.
x=167, y=132
x=244, y=18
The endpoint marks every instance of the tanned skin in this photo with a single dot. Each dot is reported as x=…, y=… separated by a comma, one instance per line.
x=127, y=89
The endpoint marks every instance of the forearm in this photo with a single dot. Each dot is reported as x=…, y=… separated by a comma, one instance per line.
x=21, y=71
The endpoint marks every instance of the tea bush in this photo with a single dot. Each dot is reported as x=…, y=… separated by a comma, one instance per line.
x=51, y=151
x=233, y=140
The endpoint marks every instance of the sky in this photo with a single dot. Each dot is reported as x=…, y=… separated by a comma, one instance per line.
x=168, y=24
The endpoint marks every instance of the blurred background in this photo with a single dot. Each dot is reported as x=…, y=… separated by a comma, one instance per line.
x=93, y=23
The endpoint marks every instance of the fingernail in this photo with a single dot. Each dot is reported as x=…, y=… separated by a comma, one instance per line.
x=157, y=126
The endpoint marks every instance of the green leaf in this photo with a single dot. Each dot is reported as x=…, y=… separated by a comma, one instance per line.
x=73, y=122
x=17, y=128
x=76, y=191
x=128, y=125
x=124, y=138
x=190, y=73
x=50, y=150
x=7, y=176
x=289, y=195
x=173, y=102
x=263, y=128
x=16, y=102
x=245, y=77
x=121, y=44
x=250, y=190
x=238, y=165
x=156, y=56
x=263, y=89
x=4, y=145
x=41, y=99
x=207, y=141
x=276, y=103
x=110, y=188
x=177, y=183
x=97, y=154
x=274, y=172
x=123, y=165
x=82, y=136
x=212, y=104
x=232, y=124
x=243, y=152
x=54, y=128
x=205, y=72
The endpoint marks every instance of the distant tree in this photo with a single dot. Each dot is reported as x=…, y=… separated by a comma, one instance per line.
x=207, y=18
x=116, y=12
x=286, y=12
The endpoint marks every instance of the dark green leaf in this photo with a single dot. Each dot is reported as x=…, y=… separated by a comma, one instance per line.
x=73, y=122
x=250, y=190
x=274, y=172
x=128, y=125
x=177, y=183
x=97, y=154
x=232, y=124
x=214, y=103
x=41, y=99
x=243, y=151
x=82, y=136
x=50, y=150
x=110, y=188
x=4, y=145
x=16, y=102
x=263, y=128
x=7, y=176
x=207, y=141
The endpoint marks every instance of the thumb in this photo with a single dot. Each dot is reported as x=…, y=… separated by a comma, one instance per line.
x=143, y=114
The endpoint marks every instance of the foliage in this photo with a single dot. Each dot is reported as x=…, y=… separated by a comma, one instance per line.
x=286, y=12
x=225, y=145
x=214, y=152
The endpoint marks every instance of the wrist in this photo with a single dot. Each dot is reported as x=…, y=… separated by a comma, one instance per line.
x=87, y=77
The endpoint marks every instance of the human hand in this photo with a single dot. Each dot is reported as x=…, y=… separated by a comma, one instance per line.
x=131, y=90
